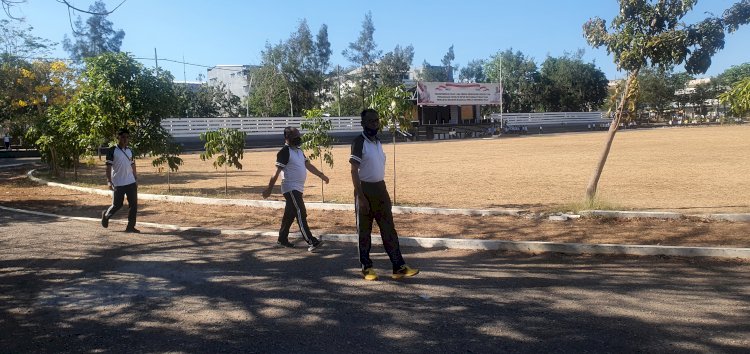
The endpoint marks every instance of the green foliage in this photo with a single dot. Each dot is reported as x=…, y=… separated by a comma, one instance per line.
x=570, y=85
x=269, y=97
x=734, y=74
x=653, y=33
x=520, y=80
x=96, y=37
x=473, y=72
x=317, y=138
x=364, y=54
x=395, y=65
x=394, y=105
x=115, y=92
x=227, y=144
x=20, y=42
x=738, y=97
x=658, y=89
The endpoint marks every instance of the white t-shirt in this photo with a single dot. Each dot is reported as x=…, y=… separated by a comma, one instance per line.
x=6, y=139
x=291, y=160
x=122, y=163
x=368, y=154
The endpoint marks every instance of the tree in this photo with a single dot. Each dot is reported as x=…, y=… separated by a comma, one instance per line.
x=269, y=97
x=94, y=38
x=20, y=42
x=657, y=90
x=734, y=74
x=448, y=63
x=473, y=72
x=394, y=66
x=318, y=139
x=228, y=145
x=27, y=87
x=396, y=111
x=519, y=77
x=364, y=53
x=738, y=97
x=115, y=91
x=653, y=33
x=570, y=85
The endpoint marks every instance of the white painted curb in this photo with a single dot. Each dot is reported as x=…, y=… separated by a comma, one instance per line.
x=427, y=242
x=272, y=204
x=664, y=215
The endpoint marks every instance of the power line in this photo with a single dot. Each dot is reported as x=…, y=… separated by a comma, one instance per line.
x=137, y=58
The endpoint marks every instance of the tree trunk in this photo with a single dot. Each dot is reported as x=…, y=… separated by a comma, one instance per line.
x=53, y=162
x=75, y=169
x=226, y=181
x=594, y=181
x=394, y=162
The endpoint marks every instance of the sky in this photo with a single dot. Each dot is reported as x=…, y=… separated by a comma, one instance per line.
x=220, y=32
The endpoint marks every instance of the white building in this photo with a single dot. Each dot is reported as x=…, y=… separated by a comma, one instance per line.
x=235, y=77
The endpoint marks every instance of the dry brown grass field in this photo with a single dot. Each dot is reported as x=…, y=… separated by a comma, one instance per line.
x=692, y=170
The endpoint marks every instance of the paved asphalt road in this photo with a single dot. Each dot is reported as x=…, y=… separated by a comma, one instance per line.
x=71, y=286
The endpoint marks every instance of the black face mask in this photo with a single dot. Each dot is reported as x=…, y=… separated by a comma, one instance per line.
x=371, y=132
x=296, y=141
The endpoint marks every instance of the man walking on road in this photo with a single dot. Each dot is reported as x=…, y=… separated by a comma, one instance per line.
x=291, y=161
x=371, y=199
x=121, y=179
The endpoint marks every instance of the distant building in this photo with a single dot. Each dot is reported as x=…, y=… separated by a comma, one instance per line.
x=235, y=77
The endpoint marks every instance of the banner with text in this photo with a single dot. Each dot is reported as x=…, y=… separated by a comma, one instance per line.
x=453, y=93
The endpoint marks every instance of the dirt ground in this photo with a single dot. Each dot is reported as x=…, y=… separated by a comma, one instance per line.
x=19, y=192
x=689, y=170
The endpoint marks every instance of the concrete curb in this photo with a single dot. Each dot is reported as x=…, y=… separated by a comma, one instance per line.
x=280, y=205
x=16, y=165
x=467, y=244
x=663, y=215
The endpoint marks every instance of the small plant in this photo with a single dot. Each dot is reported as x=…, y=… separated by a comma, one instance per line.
x=228, y=145
x=317, y=139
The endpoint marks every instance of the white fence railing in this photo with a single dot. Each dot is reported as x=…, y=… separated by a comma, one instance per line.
x=192, y=127
x=549, y=118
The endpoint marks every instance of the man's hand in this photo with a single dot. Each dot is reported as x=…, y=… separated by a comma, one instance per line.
x=324, y=178
x=111, y=186
x=266, y=193
x=364, y=206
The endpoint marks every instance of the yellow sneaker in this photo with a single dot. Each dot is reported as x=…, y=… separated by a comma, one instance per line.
x=404, y=271
x=370, y=274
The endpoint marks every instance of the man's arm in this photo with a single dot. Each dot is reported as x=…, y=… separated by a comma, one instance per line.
x=135, y=173
x=364, y=207
x=271, y=183
x=314, y=170
x=109, y=177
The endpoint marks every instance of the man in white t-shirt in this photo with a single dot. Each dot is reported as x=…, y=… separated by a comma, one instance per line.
x=6, y=141
x=121, y=179
x=292, y=164
x=371, y=199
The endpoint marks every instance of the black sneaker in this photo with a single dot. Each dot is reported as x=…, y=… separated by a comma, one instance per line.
x=315, y=245
x=105, y=219
x=286, y=244
x=132, y=230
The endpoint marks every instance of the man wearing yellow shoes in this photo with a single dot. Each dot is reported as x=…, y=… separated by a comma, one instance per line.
x=371, y=199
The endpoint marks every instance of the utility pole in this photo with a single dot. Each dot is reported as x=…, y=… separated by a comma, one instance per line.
x=338, y=71
x=156, y=59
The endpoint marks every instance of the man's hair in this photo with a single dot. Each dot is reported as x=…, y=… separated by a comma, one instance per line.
x=287, y=131
x=123, y=131
x=367, y=111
